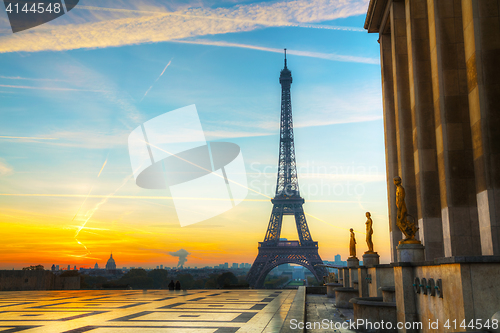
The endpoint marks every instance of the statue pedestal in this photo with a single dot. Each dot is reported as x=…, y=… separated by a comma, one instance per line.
x=330, y=289
x=371, y=259
x=352, y=262
x=410, y=252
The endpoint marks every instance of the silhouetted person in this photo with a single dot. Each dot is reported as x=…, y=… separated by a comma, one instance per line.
x=177, y=285
x=171, y=285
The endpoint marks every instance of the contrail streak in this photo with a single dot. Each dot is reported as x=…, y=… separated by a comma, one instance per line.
x=88, y=252
x=330, y=27
x=164, y=69
x=102, y=202
x=83, y=226
x=78, y=211
x=89, y=190
x=320, y=55
x=106, y=161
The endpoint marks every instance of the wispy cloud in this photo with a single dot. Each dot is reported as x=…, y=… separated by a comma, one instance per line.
x=86, y=138
x=5, y=169
x=226, y=134
x=316, y=121
x=346, y=177
x=159, y=25
x=221, y=18
x=49, y=88
x=319, y=105
x=83, y=77
x=90, y=138
x=25, y=137
x=29, y=78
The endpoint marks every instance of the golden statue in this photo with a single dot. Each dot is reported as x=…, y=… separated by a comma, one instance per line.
x=352, y=245
x=331, y=278
x=369, y=233
x=408, y=228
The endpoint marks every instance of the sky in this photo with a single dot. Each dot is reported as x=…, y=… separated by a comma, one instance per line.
x=72, y=90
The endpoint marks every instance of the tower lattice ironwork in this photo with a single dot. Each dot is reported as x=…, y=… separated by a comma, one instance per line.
x=287, y=201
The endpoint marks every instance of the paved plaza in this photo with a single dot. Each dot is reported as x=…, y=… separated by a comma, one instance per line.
x=221, y=311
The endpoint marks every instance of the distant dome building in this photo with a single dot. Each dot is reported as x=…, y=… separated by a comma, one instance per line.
x=111, y=265
x=96, y=266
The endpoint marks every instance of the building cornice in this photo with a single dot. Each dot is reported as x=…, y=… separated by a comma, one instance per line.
x=375, y=15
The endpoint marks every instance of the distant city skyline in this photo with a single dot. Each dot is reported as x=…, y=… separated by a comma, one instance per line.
x=67, y=106
x=226, y=265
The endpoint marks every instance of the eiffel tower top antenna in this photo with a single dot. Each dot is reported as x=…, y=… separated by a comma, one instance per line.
x=287, y=185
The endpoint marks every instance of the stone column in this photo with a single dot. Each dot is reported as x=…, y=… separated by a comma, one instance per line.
x=481, y=29
x=391, y=146
x=352, y=266
x=404, y=140
x=424, y=140
x=453, y=135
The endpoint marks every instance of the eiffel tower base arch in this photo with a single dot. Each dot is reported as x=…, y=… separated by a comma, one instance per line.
x=270, y=257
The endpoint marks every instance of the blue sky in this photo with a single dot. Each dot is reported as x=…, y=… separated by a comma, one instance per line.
x=73, y=89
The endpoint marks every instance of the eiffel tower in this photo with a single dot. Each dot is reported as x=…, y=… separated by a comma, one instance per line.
x=287, y=201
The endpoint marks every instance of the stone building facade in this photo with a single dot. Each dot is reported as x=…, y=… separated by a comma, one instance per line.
x=440, y=63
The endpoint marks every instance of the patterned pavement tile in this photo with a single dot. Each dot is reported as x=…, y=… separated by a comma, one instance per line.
x=99, y=311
